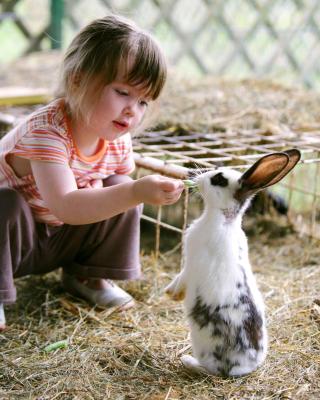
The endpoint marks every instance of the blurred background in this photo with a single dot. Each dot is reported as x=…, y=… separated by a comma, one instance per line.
x=274, y=39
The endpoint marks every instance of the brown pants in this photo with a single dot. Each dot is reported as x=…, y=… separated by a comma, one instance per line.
x=107, y=249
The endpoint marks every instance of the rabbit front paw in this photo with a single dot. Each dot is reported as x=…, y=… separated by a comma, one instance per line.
x=176, y=290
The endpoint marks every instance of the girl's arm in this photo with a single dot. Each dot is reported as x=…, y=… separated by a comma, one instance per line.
x=58, y=188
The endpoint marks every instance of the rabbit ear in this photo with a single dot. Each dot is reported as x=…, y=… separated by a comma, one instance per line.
x=267, y=171
x=294, y=157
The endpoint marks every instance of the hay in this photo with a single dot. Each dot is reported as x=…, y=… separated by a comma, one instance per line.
x=135, y=355
x=213, y=104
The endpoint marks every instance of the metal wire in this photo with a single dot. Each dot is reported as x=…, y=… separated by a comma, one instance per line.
x=180, y=154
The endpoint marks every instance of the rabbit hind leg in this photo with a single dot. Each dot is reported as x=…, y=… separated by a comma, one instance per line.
x=240, y=370
x=193, y=365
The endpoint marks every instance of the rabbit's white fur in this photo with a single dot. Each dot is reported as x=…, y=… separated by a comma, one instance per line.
x=222, y=300
x=224, y=306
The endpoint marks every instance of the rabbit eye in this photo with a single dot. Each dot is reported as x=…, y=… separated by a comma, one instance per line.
x=219, y=180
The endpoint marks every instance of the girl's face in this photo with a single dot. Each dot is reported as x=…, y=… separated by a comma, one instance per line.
x=119, y=110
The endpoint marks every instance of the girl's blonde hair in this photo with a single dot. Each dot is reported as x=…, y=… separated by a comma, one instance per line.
x=107, y=49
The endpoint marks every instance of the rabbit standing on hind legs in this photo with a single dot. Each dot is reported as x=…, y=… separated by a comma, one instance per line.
x=224, y=307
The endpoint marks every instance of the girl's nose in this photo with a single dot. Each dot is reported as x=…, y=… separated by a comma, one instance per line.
x=130, y=109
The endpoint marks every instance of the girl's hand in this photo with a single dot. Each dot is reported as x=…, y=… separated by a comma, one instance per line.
x=157, y=190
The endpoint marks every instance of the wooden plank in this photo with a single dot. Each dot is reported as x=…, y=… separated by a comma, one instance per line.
x=161, y=167
x=12, y=96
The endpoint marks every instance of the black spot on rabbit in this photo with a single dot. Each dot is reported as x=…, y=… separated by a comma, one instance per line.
x=219, y=180
x=240, y=341
x=218, y=353
x=203, y=315
x=216, y=332
x=253, y=325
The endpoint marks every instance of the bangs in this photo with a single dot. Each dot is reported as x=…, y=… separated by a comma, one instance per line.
x=145, y=67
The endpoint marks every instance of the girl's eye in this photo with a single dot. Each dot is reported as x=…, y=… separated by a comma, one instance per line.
x=144, y=103
x=122, y=92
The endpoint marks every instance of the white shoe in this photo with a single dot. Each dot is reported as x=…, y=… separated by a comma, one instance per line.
x=2, y=318
x=109, y=297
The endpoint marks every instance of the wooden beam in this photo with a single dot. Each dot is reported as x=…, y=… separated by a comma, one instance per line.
x=13, y=96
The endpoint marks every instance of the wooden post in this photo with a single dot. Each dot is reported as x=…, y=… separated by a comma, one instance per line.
x=56, y=17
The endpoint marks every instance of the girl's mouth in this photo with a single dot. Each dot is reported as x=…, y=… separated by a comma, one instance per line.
x=120, y=125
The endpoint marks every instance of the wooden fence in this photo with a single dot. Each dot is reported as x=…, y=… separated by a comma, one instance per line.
x=278, y=39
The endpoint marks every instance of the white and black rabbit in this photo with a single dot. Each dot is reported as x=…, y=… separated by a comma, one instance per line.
x=224, y=307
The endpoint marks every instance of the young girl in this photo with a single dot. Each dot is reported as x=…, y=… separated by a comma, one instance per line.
x=65, y=196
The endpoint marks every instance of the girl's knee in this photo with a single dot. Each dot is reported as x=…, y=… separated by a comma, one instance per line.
x=137, y=210
x=116, y=179
x=132, y=215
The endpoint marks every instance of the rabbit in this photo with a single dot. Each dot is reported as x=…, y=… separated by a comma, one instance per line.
x=224, y=307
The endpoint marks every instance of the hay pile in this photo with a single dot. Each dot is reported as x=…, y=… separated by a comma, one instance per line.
x=209, y=104
x=135, y=355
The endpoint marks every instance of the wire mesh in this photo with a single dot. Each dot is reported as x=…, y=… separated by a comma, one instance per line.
x=179, y=153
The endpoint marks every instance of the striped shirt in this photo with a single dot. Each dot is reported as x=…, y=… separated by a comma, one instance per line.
x=46, y=136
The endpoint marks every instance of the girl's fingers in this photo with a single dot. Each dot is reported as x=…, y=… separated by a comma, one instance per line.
x=172, y=185
x=172, y=197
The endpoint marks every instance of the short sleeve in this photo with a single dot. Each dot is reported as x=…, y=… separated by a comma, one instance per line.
x=43, y=145
x=127, y=164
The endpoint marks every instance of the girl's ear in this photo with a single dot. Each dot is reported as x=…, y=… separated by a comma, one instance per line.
x=267, y=171
x=76, y=80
